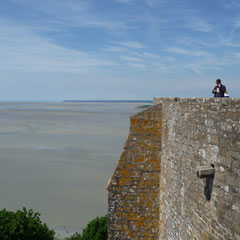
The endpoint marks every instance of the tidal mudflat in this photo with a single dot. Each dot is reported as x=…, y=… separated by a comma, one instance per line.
x=56, y=158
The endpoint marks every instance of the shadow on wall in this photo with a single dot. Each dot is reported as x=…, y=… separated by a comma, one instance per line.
x=209, y=187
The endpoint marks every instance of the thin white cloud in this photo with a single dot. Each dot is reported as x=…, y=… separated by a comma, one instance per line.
x=137, y=65
x=213, y=62
x=159, y=66
x=74, y=13
x=136, y=57
x=22, y=50
x=227, y=42
x=231, y=39
x=237, y=24
x=54, y=7
x=113, y=49
x=196, y=70
x=124, y=1
x=150, y=55
x=186, y=52
x=237, y=55
x=150, y=3
x=198, y=24
x=130, y=44
x=131, y=59
x=231, y=4
x=153, y=3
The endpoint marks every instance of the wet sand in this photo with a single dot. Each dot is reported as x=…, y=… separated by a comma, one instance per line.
x=56, y=158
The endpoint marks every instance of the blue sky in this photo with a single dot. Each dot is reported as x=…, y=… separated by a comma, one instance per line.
x=117, y=49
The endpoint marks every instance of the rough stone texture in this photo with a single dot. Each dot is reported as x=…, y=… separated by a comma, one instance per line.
x=134, y=187
x=180, y=134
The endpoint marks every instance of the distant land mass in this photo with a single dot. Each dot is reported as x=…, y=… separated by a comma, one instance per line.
x=120, y=101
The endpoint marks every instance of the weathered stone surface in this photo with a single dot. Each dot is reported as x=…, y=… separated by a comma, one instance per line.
x=134, y=187
x=155, y=192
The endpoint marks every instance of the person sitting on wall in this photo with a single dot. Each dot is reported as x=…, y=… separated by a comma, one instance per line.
x=219, y=90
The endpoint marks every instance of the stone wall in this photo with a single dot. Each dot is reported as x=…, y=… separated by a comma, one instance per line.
x=200, y=132
x=166, y=200
x=134, y=187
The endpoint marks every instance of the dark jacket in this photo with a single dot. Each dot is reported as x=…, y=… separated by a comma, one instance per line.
x=221, y=92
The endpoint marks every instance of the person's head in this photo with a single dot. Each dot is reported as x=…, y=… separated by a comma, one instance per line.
x=218, y=81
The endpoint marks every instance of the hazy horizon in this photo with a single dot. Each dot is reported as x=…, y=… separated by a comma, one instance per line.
x=81, y=100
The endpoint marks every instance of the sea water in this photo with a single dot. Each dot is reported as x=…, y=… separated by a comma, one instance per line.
x=56, y=158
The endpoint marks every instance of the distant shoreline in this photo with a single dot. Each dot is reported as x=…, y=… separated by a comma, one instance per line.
x=117, y=101
x=76, y=101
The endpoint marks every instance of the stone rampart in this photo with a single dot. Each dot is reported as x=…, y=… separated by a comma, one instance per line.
x=155, y=192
